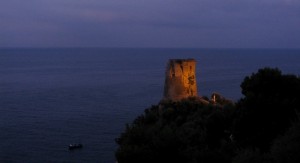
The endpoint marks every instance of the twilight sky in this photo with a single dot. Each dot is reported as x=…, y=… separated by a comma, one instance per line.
x=150, y=23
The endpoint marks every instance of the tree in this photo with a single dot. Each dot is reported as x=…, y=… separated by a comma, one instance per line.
x=286, y=148
x=186, y=131
x=268, y=108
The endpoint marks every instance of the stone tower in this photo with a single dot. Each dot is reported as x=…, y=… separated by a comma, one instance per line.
x=180, y=79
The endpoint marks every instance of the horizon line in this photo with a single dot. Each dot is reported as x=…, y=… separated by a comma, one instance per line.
x=95, y=47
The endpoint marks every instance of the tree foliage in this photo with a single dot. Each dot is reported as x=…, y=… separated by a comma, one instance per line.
x=268, y=108
x=286, y=148
x=186, y=131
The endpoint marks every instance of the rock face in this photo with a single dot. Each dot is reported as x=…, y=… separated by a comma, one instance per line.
x=180, y=79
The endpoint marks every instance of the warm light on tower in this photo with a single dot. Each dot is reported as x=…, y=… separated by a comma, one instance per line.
x=180, y=79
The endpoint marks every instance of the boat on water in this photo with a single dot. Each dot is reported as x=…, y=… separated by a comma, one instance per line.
x=75, y=146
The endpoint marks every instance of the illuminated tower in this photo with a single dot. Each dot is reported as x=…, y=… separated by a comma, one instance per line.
x=180, y=79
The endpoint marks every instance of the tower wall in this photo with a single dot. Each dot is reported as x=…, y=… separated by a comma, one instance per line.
x=180, y=81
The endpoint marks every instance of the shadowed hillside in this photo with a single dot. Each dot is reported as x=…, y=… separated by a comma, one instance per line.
x=261, y=127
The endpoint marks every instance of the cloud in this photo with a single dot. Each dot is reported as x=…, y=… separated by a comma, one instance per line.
x=149, y=23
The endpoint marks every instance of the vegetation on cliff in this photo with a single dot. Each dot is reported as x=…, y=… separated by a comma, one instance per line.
x=261, y=127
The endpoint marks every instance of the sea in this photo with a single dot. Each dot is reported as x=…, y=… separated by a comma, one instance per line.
x=53, y=97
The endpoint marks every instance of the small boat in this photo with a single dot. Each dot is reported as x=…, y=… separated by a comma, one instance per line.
x=75, y=146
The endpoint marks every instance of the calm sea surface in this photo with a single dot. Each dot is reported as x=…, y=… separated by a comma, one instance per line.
x=50, y=98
